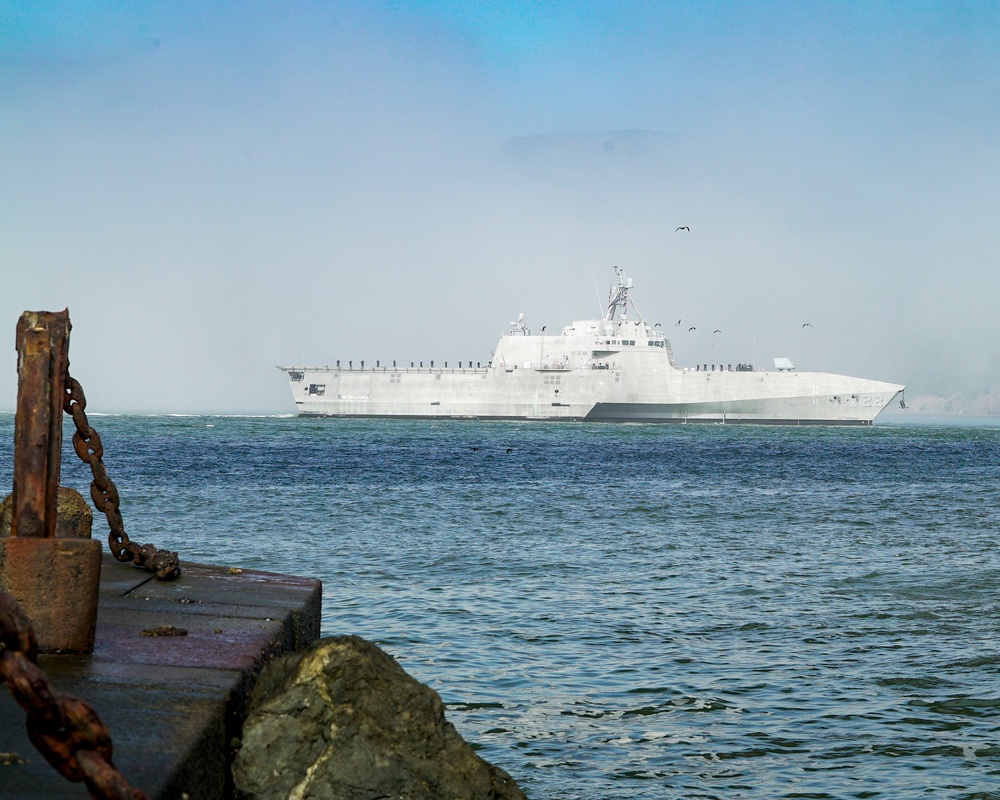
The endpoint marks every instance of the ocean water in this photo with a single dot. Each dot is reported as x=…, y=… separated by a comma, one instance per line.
x=628, y=611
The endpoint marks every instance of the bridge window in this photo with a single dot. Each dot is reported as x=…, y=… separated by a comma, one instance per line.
x=318, y=389
x=296, y=376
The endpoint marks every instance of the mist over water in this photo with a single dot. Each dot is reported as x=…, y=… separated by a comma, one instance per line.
x=214, y=191
x=626, y=611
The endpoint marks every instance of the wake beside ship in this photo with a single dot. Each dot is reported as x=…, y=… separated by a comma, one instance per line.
x=615, y=369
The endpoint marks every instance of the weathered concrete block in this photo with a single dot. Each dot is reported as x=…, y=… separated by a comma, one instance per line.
x=55, y=580
x=56, y=583
x=343, y=721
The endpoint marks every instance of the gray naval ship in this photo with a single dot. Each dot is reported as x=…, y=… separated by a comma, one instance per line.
x=615, y=369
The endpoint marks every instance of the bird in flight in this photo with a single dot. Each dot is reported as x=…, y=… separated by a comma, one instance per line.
x=692, y=328
x=806, y=325
x=717, y=330
x=678, y=322
x=683, y=228
x=657, y=325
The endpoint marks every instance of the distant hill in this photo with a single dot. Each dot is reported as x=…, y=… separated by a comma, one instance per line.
x=982, y=403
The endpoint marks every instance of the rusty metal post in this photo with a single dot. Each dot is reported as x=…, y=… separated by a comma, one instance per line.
x=54, y=579
x=42, y=362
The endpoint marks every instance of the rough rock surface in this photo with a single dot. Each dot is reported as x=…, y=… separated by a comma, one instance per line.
x=73, y=516
x=343, y=721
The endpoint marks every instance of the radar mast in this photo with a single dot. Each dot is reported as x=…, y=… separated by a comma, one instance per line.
x=619, y=299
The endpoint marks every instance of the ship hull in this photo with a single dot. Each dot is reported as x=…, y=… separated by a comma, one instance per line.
x=679, y=396
x=734, y=413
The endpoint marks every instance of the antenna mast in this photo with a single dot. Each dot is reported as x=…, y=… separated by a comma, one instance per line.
x=619, y=297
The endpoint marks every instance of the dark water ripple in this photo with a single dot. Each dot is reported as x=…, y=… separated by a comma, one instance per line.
x=629, y=611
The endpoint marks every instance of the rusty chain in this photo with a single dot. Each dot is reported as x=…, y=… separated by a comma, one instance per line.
x=65, y=729
x=104, y=493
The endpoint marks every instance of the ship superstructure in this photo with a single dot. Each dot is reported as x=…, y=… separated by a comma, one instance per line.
x=614, y=369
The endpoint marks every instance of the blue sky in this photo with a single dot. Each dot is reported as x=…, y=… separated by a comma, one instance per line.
x=214, y=189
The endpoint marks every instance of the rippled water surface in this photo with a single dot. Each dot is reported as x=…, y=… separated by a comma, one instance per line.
x=629, y=611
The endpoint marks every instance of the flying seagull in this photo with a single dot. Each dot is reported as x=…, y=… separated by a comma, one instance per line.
x=717, y=330
x=657, y=325
x=678, y=322
x=692, y=328
x=806, y=325
x=543, y=327
x=683, y=228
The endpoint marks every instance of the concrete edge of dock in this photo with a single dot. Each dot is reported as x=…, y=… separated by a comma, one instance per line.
x=172, y=702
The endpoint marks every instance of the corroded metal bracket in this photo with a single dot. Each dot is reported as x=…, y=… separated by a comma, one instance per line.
x=54, y=579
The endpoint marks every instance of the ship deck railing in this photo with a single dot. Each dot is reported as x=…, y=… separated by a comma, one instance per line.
x=389, y=369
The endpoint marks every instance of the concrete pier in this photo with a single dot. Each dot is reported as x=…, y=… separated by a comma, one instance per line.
x=172, y=703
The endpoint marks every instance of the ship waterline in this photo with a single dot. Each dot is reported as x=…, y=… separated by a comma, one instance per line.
x=615, y=369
